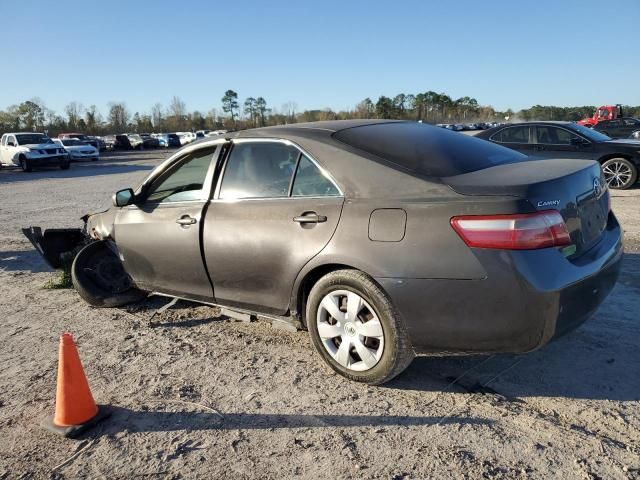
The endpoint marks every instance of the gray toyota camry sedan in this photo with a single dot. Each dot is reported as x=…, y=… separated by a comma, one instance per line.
x=382, y=238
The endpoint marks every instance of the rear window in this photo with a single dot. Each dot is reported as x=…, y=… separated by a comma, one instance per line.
x=425, y=149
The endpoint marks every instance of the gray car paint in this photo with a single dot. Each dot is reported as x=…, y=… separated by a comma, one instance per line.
x=451, y=297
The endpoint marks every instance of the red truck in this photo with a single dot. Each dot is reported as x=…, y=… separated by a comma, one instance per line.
x=606, y=112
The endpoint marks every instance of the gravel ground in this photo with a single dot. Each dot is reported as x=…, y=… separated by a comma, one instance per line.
x=196, y=394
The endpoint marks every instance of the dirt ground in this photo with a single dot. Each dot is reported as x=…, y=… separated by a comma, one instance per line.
x=197, y=395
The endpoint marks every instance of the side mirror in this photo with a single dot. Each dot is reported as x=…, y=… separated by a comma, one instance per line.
x=579, y=142
x=122, y=198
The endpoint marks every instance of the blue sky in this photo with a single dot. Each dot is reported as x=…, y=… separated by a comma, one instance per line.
x=505, y=53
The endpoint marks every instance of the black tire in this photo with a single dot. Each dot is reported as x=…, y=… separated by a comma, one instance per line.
x=25, y=164
x=99, y=278
x=65, y=166
x=397, y=351
x=621, y=183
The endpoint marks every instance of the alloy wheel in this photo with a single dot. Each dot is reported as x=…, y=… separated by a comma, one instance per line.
x=617, y=174
x=350, y=330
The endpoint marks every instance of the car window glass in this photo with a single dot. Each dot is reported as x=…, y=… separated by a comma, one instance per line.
x=185, y=181
x=614, y=123
x=259, y=170
x=514, y=135
x=311, y=181
x=554, y=136
x=631, y=122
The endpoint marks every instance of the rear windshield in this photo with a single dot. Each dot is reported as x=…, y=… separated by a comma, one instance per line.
x=427, y=150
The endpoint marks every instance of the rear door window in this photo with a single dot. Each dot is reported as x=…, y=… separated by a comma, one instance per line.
x=512, y=135
x=258, y=170
x=311, y=181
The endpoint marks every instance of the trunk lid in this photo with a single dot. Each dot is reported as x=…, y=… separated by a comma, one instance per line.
x=576, y=188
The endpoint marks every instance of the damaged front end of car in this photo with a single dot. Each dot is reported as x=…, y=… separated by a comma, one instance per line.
x=57, y=244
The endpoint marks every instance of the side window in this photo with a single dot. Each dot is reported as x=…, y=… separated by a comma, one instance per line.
x=631, y=122
x=259, y=170
x=3, y=140
x=184, y=181
x=554, y=136
x=310, y=181
x=614, y=123
x=513, y=135
x=12, y=139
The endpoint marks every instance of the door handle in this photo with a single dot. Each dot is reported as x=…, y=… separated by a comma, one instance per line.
x=186, y=220
x=310, y=217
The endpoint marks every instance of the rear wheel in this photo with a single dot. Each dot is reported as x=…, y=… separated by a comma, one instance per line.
x=355, y=328
x=25, y=164
x=100, y=279
x=620, y=173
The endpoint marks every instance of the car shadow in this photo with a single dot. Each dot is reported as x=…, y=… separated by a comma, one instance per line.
x=158, y=420
x=598, y=361
x=23, y=261
x=77, y=170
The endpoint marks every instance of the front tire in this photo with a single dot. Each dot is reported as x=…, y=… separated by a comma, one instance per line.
x=25, y=164
x=100, y=279
x=620, y=173
x=356, y=329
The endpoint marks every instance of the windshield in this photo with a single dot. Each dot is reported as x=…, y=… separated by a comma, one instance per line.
x=32, y=138
x=134, y=136
x=68, y=142
x=592, y=135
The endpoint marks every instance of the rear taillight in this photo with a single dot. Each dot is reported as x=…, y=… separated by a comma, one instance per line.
x=527, y=231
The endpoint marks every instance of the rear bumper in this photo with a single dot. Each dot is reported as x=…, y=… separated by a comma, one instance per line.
x=526, y=299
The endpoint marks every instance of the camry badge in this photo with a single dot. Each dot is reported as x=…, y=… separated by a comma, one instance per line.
x=548, y=203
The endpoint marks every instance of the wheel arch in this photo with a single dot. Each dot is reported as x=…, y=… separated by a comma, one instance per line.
x=609, y=156
x=307, y=279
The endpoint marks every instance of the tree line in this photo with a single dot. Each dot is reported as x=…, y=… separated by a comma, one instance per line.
x=254, y=111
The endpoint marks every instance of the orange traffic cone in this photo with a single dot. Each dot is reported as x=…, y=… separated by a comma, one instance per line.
x=75, y=408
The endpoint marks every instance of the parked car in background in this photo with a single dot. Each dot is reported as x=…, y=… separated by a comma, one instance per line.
x=118, y=142
x=215, y=133
x=82, y=137
x=408, y=239
x=163, y=142
x=620, y=159
x=31, y=150
x=101, y=145
x=201, y=133
x=78, y=150
x=619, y=128
x=148, y=141
x=167, y=140
x=136, y=141
x=186, y=137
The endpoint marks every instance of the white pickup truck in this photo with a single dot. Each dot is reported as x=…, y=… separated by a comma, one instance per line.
x=31, y=150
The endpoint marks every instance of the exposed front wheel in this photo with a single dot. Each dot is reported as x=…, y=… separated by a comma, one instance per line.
x=100, y=279
x=25, y=164
x=620, y=173
x=355, y=328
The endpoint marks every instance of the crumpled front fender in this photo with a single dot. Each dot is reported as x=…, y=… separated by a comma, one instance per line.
x=99, y=226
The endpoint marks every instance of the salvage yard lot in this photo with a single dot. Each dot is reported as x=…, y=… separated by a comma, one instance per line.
x=197, y=394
